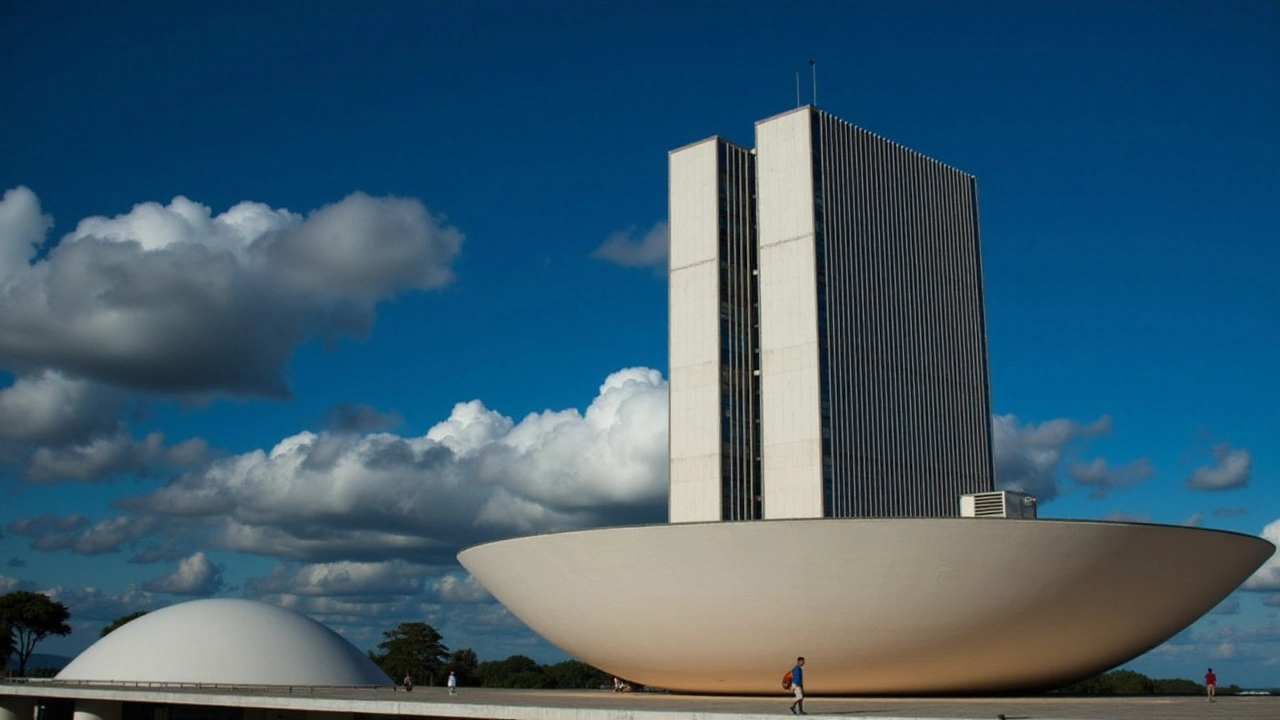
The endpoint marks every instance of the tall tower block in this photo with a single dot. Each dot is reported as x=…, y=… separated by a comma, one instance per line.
x=828, y=341
x=713, y=346
x=875, y=399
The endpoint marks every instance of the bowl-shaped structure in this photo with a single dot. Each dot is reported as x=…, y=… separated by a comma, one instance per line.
x=893, y=606
x=228, y=641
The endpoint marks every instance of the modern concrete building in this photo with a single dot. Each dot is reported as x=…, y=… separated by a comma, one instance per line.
x=827, y=334
x=828, y=379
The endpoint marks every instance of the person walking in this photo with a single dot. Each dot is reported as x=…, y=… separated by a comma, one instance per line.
x=408, y=683
x=1211, y=684
x=797, y=687
x=452, y=683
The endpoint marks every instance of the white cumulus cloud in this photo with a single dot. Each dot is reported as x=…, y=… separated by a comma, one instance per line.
x=1028, y=456
x=455, y=589
x=175, y=299
x=195, y=575
x=328, y=497
x=1267, y=577
x=393, y=577
x=22, y=230
x=49, y=407
x=90, y=603
x=1230, y=469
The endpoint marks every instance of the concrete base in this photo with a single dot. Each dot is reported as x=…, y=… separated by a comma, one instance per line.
x=17, y=708
x=87, y=709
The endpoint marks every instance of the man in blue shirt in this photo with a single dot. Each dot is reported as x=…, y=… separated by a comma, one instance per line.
x=797, y=687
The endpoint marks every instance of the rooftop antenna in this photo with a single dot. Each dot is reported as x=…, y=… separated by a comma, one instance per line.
x=797, y=88
x=813, y=68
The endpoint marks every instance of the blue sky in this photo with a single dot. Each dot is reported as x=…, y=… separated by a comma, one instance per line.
x=370, y=237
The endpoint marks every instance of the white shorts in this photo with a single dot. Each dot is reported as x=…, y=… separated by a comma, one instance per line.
x=799, y=692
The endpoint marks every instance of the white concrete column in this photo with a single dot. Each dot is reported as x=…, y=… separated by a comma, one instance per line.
x=17, y=708
x=97, y=710
x=790, y=380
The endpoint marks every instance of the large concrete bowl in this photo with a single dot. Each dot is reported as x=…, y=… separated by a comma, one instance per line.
x=877, y=606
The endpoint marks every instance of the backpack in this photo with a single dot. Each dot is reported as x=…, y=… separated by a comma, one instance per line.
x=786, y=681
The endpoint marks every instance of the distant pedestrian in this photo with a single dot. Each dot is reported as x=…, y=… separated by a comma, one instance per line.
x=797, y=687
x=452, y=683
x=408, y=683
x=1211, y=684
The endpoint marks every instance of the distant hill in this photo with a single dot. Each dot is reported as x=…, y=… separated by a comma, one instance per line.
x=40, y=660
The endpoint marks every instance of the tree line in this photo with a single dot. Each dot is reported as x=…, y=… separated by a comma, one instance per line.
x=417, y=650
x=1128, y=682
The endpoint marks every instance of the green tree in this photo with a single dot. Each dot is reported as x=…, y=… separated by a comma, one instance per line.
x=575, y=675
x=6, y=645
x=1178, y=686
x=414, y=649
x=1128, y=682
x=31, y=617
x=120, y=621
x=463, y=663
x=517, y=671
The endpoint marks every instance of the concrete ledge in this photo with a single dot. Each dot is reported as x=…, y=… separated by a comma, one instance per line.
x=487, y=704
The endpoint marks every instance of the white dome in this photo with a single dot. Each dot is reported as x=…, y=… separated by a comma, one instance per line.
x=225, y=640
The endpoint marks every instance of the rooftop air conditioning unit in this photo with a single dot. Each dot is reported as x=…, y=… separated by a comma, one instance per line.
x=1000, y=504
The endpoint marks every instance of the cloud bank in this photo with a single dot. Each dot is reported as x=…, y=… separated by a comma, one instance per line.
x=175, y=299
x=319, y=499
x=333, y=497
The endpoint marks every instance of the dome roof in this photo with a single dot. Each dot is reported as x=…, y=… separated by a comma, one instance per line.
x=225, y=640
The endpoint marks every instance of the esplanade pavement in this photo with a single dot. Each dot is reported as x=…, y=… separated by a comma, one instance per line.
x=314, y=703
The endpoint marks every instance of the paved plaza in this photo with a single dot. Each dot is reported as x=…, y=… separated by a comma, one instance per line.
x=1021, y=708
x=490, y=704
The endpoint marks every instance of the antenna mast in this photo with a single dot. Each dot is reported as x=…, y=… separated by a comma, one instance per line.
x=813, y=68
x=797, y=88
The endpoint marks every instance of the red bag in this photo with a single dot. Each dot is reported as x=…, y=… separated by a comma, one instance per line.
x=786, y=681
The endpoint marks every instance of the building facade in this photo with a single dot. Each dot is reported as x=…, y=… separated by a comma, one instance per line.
x=714, y=350
x=827, y=338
